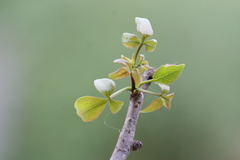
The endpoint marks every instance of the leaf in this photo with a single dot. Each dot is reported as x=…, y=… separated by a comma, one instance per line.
x=142, y=59
x=136, y=77
x=126, y=58
x=120, y=73
x=130, y=40
x=105, y=86
x=168, y=100
x=150, y=45
x=115, y=106
x=154, y=105
x=123, y=62
x=89, y=108
x=143, y=63
x=144, y=68
x=165, y=88
x=168, y=73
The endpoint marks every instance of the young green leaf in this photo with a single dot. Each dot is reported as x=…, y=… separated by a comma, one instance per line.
x=130, y=40
x=89, y=108
x=120, y=73
x=168, y=99
x=136, y=77
x=156, y=104
x=105, y=86
x=150, y=45
x=143, y=63
x=123, y=62
x=126, y=58
x=144, y=68
x=115, y=106
x=142, y=58
x=168, y=73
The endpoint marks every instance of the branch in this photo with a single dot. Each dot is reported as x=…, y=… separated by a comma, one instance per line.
x=126, y=142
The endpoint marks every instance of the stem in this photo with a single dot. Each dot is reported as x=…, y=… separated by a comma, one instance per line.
x=136, y=54
x=134, y=58
x=120, y=91
x=133, y=84
x=147, y=81
x=126, y=142
x=149, y=92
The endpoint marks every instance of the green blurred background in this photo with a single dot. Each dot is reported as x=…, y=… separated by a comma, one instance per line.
x=51, y=52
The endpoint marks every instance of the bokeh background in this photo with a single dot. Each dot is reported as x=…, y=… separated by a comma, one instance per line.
x=52, y=51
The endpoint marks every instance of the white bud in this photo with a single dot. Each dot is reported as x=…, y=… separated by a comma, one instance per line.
x=144, y=26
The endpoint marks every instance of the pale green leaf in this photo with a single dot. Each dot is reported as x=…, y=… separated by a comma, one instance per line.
x=136, y=77
x=89, y=108
x=150, y=45
x=105, y=86
x=168, y=100
x=120, y=73
x=115, y=106
x=130, y=40
x=144, y=68
x=142, y=60
x=143, y=63
x=168, y=73
x=154, y=105
x=141, y=57
x=126, y=58
x=123, y=62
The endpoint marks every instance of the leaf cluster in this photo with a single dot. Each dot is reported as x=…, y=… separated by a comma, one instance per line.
x=89, y=108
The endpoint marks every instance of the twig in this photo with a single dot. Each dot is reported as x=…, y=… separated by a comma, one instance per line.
x=126, y=142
